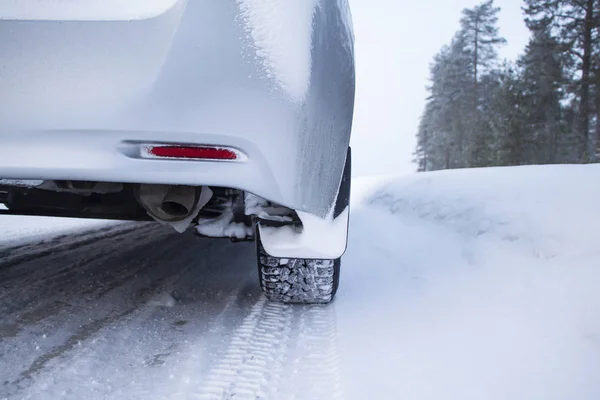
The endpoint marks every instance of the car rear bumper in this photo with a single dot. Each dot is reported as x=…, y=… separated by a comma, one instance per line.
x=109, y=156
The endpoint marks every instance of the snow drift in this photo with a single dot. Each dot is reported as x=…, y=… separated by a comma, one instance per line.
x=474, y=284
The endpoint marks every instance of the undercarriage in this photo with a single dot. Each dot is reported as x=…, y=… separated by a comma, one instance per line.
x=119, y=201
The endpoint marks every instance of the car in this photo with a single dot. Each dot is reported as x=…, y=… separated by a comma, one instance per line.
x=231, y=117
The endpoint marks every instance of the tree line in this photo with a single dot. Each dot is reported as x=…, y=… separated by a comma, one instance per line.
x=543, y=108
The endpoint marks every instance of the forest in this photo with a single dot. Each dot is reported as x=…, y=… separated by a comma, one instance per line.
x=543, y=108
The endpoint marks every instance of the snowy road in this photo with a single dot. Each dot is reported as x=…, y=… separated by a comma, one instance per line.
x=463, y=285
x=142, y=312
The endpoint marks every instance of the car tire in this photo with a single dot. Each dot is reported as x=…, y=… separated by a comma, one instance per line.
x=298, y=281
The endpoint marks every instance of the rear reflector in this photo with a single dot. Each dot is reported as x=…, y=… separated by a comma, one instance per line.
x=191, y=152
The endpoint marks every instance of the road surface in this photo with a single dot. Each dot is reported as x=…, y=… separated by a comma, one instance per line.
x=141, y=312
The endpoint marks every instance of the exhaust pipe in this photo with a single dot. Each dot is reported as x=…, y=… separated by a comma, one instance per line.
x=179, y=201
x=169, y=203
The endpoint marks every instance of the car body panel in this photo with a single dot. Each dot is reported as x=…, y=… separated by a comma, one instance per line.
x=75, y=92
x=84, y=10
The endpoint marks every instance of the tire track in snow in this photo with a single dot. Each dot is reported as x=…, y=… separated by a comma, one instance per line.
x=253, y=358
x=279, y=352
x=314, y=372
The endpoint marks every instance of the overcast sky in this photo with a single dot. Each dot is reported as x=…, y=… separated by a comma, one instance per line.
x=395, y=42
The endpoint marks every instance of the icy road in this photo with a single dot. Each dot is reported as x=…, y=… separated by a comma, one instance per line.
x=478, y=284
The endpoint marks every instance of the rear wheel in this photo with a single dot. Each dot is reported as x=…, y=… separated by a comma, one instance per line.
x=304, y=281
x=290, y=280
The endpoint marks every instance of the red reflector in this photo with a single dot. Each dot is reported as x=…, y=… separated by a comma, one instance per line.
x=193, y=152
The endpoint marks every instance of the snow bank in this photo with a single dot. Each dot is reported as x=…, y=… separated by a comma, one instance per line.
x=548, y=210
x=473, y=284
x=282, y=34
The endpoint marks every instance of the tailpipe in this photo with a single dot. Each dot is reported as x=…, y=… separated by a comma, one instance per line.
x=179, y=201
x=169, y=203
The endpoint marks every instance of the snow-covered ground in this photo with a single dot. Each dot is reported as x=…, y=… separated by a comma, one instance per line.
x=474, y=284
x=16, y=229
x=471, y=284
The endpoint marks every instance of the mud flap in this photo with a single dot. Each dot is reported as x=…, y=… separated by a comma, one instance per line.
x=317, y=238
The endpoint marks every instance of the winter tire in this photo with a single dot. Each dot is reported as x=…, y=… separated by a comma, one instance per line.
x=297, y=280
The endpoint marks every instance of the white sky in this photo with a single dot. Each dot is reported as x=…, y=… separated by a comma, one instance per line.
x=395, y=42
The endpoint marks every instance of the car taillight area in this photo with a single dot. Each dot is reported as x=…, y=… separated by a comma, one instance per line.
x=191, y=152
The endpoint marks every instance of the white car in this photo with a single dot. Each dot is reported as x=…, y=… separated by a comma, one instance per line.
x=229, y=116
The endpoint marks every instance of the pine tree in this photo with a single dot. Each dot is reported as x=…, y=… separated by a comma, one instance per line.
x=479, y=30
x=453, y=133
x=479, y=34
x=421, y=154
x=576, y=24
x=507, y=118
x=544, y=81
x=440, y=136
x=545, y=108
x=596, y=84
